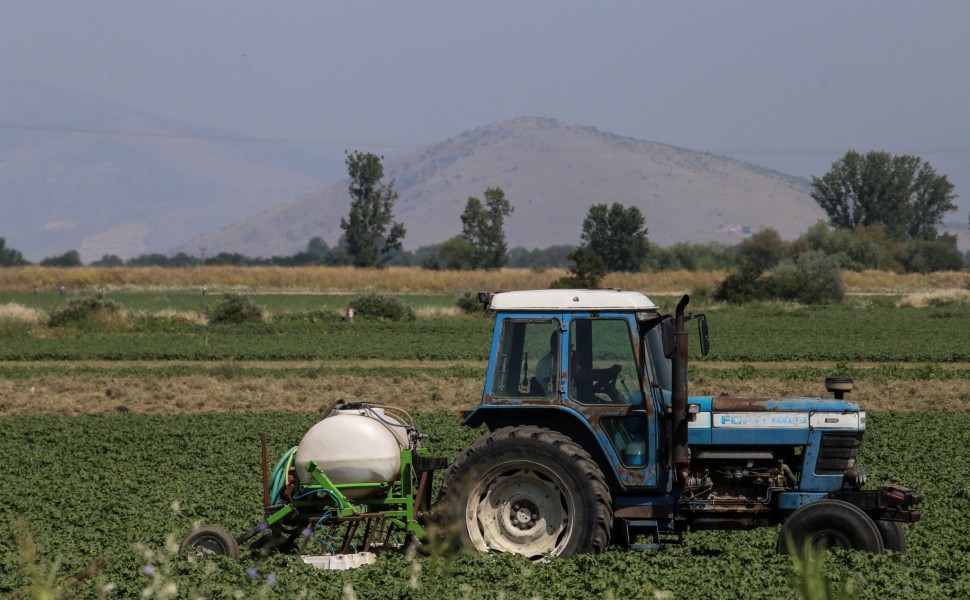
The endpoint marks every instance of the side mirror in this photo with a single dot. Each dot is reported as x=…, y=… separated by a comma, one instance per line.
x=669, y=333
x=705, y=337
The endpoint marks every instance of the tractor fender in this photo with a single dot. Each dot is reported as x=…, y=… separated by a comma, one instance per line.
x=554, y=417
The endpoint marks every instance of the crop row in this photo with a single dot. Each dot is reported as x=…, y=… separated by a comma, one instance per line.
x=444, y=370
x=881, y=334
x=91, y=488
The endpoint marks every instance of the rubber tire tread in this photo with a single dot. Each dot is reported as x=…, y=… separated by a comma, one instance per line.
x=827, y=513
x=477, y=459
x=893, y=537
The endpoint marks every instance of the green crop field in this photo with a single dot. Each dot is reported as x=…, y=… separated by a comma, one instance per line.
x=104, y=493
x=112, y=488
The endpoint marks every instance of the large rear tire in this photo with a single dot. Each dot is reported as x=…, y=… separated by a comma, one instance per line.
x=526, y=490
x=827, y=524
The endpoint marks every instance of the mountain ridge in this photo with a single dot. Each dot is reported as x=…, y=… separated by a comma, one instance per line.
x=552, y=172
x=81, y=172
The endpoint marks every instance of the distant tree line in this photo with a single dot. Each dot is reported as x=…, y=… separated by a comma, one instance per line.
x=883, y=212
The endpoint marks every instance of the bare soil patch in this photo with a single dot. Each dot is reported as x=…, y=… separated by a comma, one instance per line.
x=75, y=395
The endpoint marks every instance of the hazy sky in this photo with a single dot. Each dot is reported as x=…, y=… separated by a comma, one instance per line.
x=783, y=84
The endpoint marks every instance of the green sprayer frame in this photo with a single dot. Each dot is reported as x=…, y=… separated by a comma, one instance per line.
x=389, y=508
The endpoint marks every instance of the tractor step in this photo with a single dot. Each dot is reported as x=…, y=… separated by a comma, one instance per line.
x=658, y=532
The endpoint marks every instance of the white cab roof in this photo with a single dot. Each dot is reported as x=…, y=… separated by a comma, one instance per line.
x=590, y=300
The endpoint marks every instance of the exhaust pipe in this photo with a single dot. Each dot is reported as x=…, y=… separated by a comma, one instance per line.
x=681, y=456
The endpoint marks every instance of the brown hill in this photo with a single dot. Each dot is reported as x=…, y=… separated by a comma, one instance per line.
x=552, y=172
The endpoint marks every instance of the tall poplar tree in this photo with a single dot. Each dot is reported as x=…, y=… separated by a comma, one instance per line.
x=370, y=229
x=483, y=226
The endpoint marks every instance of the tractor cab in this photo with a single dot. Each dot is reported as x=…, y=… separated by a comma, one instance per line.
x=592, y=361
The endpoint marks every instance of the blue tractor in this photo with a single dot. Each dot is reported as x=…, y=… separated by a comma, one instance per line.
x=594, y=440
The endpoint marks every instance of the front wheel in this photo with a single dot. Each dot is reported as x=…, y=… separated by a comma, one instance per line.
x=827, y=524
x=526, y=490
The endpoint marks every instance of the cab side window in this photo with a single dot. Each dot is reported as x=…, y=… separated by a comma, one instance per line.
x=602, y=363
x=528, y=360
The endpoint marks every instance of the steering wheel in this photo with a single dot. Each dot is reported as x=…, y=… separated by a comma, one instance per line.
x=606, y=382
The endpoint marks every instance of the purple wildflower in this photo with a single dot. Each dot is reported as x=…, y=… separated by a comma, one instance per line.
x=252, y=573
x=148, y=570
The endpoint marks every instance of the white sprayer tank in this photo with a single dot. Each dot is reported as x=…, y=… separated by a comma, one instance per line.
x=354, y=446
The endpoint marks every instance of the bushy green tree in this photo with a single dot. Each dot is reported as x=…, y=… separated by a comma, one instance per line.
x=82, y=308
x=10, y=257
x=865, y=247
x=370, y=228
x=745, y=284
x=456, y=253
x=691, y=257
x=148, y=260
x=234, y=308
x=587, y=271
x=765, y=248
x=160, y=260
x=552, y=256
x=337, y=257
x=317, y=247
x=381, y=306
x=811, y=278
x=617, y=235
x=483, y=226
x=108, y=260
x=928, y=256
x=71, y=258
x=468, y=303
x=229, y=258
x=903, y=194
x=868, y=247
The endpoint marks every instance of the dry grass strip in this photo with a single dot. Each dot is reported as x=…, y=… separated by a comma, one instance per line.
x=76, y=395
x=412, y=280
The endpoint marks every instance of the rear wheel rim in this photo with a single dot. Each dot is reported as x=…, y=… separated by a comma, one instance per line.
x=830, y=538
x=523, y=508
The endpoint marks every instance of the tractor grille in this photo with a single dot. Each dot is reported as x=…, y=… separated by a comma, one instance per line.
x=837, y=453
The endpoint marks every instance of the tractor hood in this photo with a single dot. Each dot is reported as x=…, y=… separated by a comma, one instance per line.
x=732, y=420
